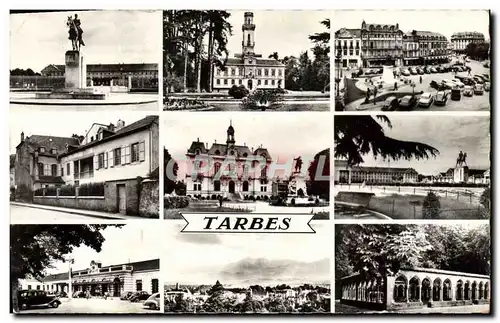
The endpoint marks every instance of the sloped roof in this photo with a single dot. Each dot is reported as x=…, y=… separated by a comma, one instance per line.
x=49, y=143
x=260, y=61
x=223, y=148
x=348, y=33
x=384, y=169
x=467, y=35
x=262, y=151
x=144, y=123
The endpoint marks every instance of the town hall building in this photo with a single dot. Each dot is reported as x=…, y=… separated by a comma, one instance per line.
x=248, y=68
x=235, y=180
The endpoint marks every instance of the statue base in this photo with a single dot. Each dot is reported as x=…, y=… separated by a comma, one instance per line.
x=460, y=174
x=297, y=185
x=75, y=83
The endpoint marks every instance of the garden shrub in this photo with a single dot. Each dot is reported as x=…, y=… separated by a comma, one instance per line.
x=175, y=202
x=91, y=189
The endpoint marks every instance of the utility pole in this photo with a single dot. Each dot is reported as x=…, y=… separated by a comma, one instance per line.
x=70, y=282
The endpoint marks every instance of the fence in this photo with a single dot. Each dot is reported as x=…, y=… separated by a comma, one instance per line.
x=35, y=83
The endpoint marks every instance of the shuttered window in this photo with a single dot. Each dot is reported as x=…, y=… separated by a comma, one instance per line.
x=117, y=156
x=122, y=154
x=142, y=151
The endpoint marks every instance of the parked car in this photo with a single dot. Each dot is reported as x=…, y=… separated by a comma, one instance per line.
x=468, y=81
x=447, y=84
x=486, y=64
x=405, y=72
x=458, y=83
x=427, y=70
x=456, y=94
x=390, y=104
x=439, y=69
x=433, y=70
x=441, y=98
x=478, y=89
x=478, y=80
x=413, y=71
x=487, y=86
x=467, y=60
x=369, y=71
x=125, y=296
x=139, y=296
x=481, y=76
x=61, y=294
x=486, y=76
x=36, y=298
x=380, y=70
x=426, y=99
x=420, y=70
x=468, y=90
x=153, y=302
x=407, y=102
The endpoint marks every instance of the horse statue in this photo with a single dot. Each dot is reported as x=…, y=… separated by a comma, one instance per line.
x=75, y=32
x=462, y=159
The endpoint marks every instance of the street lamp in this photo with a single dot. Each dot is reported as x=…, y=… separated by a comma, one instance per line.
x=337, y=72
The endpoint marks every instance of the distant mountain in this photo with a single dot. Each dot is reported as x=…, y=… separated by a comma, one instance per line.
x=249, y=271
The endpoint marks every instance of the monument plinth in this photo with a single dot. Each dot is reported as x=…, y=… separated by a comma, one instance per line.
x=76, y=70
x=297, y=185
x=460, y=174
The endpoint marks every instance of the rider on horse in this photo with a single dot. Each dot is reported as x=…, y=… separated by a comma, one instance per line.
x=75, y=32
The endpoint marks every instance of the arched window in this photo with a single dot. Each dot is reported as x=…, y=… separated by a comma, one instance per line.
x=447, y=290
x=245, y=186
x=460, y=291
x=400, y=289
x=481, y=290
x=414, y=293
x=426, y=290
x=249, y=40
x=263, y=172
x=197, y=152
x=467, y=290
x=474, y=290
x=217, y=152
x=486, y=290
x=216, y=168
x=436, y=290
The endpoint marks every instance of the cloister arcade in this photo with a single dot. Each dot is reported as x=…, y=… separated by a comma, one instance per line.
x=416, y=287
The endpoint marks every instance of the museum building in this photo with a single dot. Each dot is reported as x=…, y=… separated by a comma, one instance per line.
x=248, y=68
x=239, y=181
x=414, y=288
x=97, y=279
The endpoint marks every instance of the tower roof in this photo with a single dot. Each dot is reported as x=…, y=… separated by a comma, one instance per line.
x=230, y=129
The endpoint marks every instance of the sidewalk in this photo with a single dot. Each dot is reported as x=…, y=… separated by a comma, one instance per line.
x=93, y=214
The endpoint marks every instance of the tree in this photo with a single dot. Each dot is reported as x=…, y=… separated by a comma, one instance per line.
x=216, y=288
x=33, y=248
x=322, y=38
x=485, y=198
x=356, y=136
x=431, y=206
x=169, y=183
x=219, y=32
x=320, y=186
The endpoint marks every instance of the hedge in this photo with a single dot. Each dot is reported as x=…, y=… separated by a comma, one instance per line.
x=91, y=189
x=67, y=190
x=175, y=202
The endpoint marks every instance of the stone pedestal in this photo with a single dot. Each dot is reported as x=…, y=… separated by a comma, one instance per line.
x=76, y=70
x=460, y=174
x=297, y=182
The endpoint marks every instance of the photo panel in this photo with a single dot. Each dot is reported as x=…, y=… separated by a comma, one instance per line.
x=85, y=269
x=243, y=274
x=233, y=60
x=402, y=167
x=91, y=59
x=412, y=60
x=246, y=164
x=91, y=168
x=413, y=268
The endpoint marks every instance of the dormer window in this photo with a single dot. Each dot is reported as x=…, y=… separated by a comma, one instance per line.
x=245, y=155
x=42, y=149
x=53, y=151
x=197, y=152
x=217, y=152
x=92, y=138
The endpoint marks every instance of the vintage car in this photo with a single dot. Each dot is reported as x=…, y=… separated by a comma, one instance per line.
x=456, y=94
x=441, y=98
x=36, y=298
x=390, y=104
x=468, y=90
x=426, y=99
x=125, y=296
x=153, y=302
x=139, y=296
x=487, y=86
x=478, y=89
x=407, y=102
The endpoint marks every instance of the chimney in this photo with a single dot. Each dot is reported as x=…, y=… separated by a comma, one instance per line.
x=215, y=140
x=198, y=139
x=177, y=286
x=22, y=136
x=111, y=127
x=120, y=124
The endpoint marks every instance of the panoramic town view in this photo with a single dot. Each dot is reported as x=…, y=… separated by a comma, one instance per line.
x=85, y=59
x=95, y=166
x=410, y=269
x=412, y=60
x=218, y=163
x=412, y=167
x=218, y=60
x=241, y=274
x=75, y=268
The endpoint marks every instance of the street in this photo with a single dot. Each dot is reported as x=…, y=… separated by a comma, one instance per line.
x=26, y=215
x=474, y=103
x=93, y=305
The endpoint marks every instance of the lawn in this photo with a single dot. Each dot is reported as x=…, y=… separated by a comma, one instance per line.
x=451, y=208
x=174, y=214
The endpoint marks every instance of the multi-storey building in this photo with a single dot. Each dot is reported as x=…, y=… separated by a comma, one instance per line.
x=228, y=169
x=357, y=174
x=381, y=44
x=348, y=47
x=116, y=155
x=248, y=68
x=433, y=47
x=97, y=279
x=411, y=54
x=460, y=40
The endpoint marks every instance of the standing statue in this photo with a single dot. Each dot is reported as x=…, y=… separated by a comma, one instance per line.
x=75, y=32
x=298, y=164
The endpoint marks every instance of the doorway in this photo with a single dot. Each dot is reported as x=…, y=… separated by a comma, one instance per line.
x=250, y=84
x=116, y=287
x=231, y=187
x=122, y=198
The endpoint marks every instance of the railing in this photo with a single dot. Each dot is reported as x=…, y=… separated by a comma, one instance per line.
x=36, y=82
x=85, y=174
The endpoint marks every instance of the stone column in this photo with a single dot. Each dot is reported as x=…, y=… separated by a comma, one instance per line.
x=441, y=293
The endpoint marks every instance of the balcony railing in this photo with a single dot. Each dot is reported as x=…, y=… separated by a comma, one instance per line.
x=85, y=174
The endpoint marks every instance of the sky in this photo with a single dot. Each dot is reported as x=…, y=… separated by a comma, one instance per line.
x=285, y=32
x=448, y=134
x=445, y=22
x=130, y=243
x=40, y=39
x=61, y=123
x=193, y=257
x=285, y=135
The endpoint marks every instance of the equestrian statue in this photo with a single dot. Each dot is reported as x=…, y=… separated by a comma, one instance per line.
x=298, y=164
x=75, y=32
x=462, y=159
